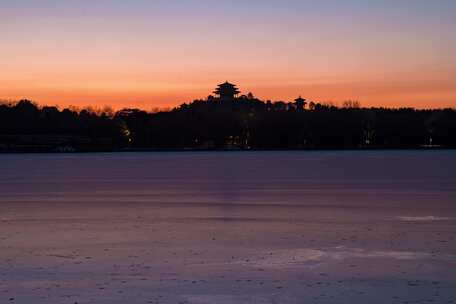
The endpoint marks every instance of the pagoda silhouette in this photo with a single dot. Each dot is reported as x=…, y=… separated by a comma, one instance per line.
x=226, y=91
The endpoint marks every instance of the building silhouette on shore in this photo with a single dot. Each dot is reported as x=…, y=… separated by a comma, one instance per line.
x=227, y=91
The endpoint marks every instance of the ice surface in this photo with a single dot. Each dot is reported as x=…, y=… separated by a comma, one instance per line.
x=259, y=227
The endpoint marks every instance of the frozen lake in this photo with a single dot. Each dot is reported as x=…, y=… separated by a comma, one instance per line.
x=228, y=227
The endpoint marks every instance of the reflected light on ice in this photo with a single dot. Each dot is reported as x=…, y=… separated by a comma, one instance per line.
x=422, y=218
x=314, y=257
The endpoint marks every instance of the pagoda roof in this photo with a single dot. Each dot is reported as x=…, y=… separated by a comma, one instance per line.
x=226, y=87
x=226, y=84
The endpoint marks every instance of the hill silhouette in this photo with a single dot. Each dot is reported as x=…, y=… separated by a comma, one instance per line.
x=224, y=121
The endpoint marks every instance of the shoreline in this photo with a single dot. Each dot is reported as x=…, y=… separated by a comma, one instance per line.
x=139, y=150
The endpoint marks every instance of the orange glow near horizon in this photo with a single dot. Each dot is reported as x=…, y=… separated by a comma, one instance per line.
x=148, y=96
x=162, y=54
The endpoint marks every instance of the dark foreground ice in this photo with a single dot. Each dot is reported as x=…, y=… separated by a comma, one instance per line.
x=252, y=227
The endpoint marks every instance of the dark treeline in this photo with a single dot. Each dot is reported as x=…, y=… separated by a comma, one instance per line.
x=225, y=122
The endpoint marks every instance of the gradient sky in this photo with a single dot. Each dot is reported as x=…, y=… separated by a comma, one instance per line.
x=161, y=53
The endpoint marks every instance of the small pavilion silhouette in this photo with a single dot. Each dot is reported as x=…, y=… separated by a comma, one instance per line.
x=300, y=103
x=226, y=90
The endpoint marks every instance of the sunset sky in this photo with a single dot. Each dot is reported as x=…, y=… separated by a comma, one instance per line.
x=161, y=53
